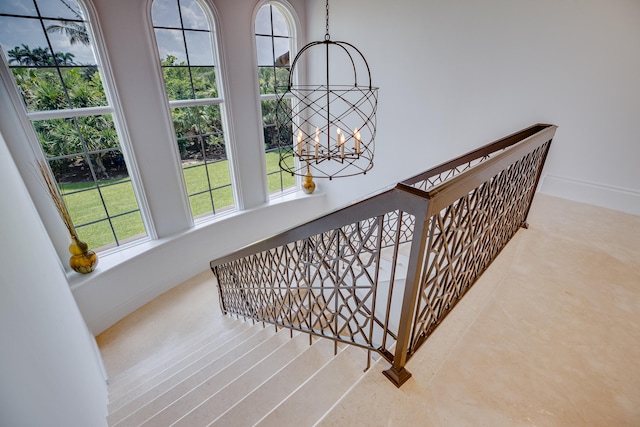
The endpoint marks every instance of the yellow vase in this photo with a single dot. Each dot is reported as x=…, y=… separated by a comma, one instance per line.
x=308, y=186
x=82, y=259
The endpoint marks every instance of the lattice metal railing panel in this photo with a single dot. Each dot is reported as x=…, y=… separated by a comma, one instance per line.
x=467, y=235
x=328, y=284
x=437, y=179
x=347, y=283
x=398, y=228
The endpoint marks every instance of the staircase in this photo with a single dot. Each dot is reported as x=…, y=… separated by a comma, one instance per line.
x=243, y=374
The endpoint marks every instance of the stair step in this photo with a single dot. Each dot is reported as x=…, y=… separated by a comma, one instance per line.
x=192, y=375
x=124, y=378
x=270, y=393
x=219, y=401
x=154, y=367
x=310, y=402
x=171, y=406
x=185, y=365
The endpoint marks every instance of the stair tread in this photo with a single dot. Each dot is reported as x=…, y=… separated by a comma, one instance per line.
x=327, y=386
x=218, y=402
x=133, y=376
x=192, y=375
x=261, y=400
x=172, y=406
x=186, y=364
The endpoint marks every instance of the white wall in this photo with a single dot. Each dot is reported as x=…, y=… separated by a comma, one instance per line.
x=460, y=73
x=49, y=371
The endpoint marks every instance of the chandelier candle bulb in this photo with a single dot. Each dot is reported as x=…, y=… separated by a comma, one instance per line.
x=300, y=143
x=342, y=146
x=317, y=140
x=356, y=144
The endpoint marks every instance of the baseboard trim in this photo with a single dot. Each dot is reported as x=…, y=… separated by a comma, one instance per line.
x=616, y=198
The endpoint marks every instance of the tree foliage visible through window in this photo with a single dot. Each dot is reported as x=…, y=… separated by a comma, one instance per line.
x=274, y=45
x=48, y=50
x=185, y=43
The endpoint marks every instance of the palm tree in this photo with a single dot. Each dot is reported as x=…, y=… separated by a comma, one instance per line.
x=16, y=54
x=42, y=56
x=75, y=31
x=25, y=56
x=48, y=94
x=65, y=58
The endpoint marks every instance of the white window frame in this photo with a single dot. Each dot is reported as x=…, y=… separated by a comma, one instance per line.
x=113, y=108
x=220, y=101
x=290, y=16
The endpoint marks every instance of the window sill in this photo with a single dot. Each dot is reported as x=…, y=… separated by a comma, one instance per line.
x=115, y=259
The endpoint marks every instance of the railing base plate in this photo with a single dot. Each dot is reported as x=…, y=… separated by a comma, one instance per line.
x=397, y=377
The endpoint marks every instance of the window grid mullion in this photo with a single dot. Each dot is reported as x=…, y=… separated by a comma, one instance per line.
x=195, y=129
x=271, y=86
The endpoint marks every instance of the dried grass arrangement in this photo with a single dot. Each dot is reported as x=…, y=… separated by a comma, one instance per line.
x=54, y=193
x=82, y=259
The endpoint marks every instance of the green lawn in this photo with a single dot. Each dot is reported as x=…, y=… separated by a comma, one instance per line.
x=86, y=207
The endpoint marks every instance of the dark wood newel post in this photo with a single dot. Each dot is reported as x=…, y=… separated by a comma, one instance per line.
x=397, y=373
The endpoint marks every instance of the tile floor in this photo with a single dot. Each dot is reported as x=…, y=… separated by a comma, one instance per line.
x=548, y=336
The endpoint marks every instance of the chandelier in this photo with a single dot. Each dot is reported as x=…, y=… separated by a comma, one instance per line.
x=327, y=129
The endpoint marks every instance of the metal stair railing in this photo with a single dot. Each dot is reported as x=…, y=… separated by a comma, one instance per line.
x=383, y=272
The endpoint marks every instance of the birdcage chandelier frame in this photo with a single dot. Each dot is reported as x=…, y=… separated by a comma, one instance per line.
x=328, y=130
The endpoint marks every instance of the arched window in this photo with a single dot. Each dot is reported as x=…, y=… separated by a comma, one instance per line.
x=47, y=45
x=187, y=49
x=275, y=48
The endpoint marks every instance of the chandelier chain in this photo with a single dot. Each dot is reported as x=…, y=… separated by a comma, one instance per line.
x=326, y=34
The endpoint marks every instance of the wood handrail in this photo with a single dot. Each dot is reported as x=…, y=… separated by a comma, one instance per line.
x=401, y=196
x=485, y=150
x=444, y=194
x=407, y=199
